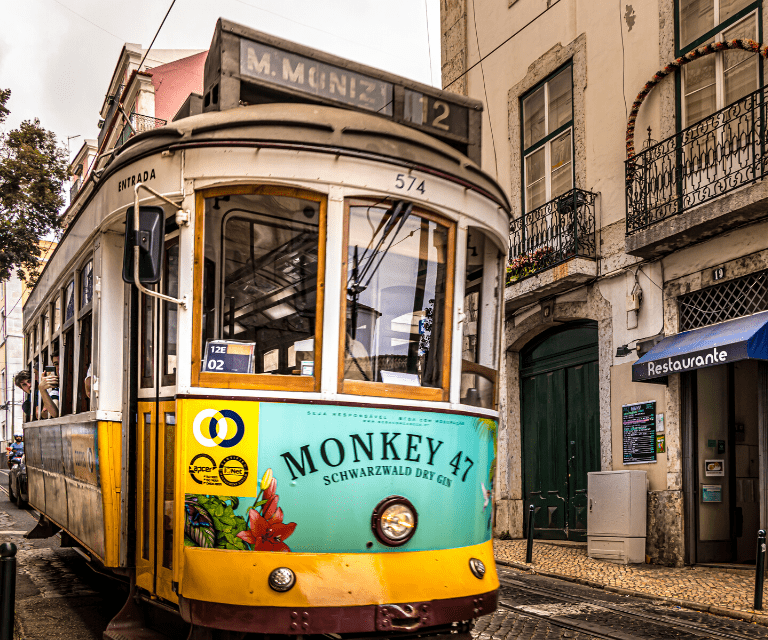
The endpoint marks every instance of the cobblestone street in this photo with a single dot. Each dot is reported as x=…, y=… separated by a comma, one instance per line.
x=730, y=589
x=58, y=596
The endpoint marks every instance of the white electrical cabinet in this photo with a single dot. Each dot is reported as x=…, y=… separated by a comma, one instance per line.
x=616, y=515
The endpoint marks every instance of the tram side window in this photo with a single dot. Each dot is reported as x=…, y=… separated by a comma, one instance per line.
x=68, y=369
x=84, y=380
x=170, y=311
x=397, y=279
x=481, y=324
x=147, y=342
x=260, y=281
x=169, y=448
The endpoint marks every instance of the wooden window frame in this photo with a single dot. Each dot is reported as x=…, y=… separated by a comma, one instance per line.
x=66, y=323
x=548, y=138
x=168, y=379
x=263, y=381
x=383, y=389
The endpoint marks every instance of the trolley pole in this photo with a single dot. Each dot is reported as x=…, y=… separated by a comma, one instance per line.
x=7, y=589
x=529, y=546
x=760, y=570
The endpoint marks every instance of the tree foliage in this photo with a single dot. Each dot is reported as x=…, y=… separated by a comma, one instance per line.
x=33, y=168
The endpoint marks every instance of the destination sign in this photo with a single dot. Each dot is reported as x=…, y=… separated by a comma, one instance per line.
x=291, y=70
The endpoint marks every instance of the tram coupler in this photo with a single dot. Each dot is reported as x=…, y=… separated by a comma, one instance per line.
x=7, y=589
x=760, y=570
x=43, y=529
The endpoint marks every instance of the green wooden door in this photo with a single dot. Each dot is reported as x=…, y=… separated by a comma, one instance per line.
x=560, y=429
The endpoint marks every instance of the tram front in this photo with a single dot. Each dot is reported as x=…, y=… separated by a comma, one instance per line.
x=316, y=450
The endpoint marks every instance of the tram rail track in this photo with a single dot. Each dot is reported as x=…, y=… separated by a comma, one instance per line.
x=564, y=610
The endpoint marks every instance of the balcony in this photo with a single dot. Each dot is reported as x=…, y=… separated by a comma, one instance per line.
x=552, y=249
x=690, y=186
x=140, y=123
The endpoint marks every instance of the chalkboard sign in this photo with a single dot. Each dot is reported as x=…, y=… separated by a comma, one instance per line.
x=638, y=423
x=224, y=356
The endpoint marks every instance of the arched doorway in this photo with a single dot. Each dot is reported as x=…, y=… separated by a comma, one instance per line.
x=560, y=427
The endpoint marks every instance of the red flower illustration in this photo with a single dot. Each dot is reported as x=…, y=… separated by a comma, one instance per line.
x=267, y=533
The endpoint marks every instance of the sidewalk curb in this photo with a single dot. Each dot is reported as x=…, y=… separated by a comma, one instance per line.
x=745, y=616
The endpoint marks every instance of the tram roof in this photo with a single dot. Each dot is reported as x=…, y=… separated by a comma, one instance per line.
x=315, y=128
x=302, y=127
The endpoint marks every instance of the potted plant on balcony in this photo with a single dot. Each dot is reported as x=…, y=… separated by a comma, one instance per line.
x=526, y=264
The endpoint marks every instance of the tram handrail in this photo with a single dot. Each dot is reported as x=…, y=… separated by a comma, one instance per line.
x=182, y=219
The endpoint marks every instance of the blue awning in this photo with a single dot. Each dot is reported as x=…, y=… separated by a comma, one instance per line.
x=740, y=339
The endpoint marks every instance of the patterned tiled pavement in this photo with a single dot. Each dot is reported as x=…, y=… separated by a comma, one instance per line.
x=731, y=589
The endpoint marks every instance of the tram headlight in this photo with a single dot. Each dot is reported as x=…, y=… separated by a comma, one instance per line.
x=477, y=567
x=394, y=521
x=282, y=579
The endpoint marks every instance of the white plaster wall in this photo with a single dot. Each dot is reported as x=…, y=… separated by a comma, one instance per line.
x=608, y=70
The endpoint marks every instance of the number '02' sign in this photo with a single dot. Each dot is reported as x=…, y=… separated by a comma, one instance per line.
x=225, y=356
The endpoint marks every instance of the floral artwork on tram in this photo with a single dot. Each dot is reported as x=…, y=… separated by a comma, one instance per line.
x=335, y=464
x=212, y=521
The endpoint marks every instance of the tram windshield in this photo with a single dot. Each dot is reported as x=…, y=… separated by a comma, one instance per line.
x=260, y=283
x=396, y=302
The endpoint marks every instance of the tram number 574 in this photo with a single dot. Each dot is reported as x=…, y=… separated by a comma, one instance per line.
x=409, y=183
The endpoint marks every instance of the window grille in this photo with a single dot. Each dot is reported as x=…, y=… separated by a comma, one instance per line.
x=726, y=301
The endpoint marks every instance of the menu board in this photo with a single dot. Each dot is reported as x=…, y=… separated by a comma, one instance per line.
x=638, y=423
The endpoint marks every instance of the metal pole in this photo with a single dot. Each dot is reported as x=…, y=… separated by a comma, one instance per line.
x=7, y=589
x=760, y=570
x=529, y=546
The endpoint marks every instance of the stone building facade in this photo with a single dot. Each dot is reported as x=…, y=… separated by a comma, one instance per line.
x=612, y=262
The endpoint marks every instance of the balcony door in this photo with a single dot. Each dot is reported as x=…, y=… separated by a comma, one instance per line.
x=720, y=142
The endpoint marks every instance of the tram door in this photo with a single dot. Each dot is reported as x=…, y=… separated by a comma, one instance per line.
x=156, y=431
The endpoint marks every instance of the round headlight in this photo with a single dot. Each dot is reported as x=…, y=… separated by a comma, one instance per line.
x=394, y=521
x=282, y=579
x=477, y=567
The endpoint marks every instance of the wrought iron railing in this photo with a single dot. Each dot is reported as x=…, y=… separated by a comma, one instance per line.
x=557, y=231
x=708, y=159
x=139, y=124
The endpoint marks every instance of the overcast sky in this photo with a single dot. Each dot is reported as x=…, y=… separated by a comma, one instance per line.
x=57, y=56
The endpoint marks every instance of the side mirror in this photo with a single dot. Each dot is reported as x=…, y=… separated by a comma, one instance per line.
x=148, y=240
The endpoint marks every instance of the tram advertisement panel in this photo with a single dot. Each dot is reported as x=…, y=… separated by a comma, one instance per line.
x=294, y=477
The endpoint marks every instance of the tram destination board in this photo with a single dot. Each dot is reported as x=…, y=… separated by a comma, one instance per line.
x=228, y=356
x=245, y=66
x=638, y=423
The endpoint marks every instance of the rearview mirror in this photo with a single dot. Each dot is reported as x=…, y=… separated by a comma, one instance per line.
x=149, y=240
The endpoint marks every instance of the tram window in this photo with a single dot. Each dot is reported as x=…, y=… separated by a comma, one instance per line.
x=396, y=302
x=57, y=314
x=68, y=369
x=86, y=284
x=260, y=278
x=69, y=301
x=146, y=485
x=46, y=328
x=83, y=390
x=170, y=311
x=169, y=449
x=481, y=324
x=147, y=342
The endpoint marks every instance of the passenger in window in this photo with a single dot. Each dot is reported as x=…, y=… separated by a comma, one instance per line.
x=31, y=406
x=50, y=384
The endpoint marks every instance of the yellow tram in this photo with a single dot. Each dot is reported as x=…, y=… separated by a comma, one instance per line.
x=279, y=380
